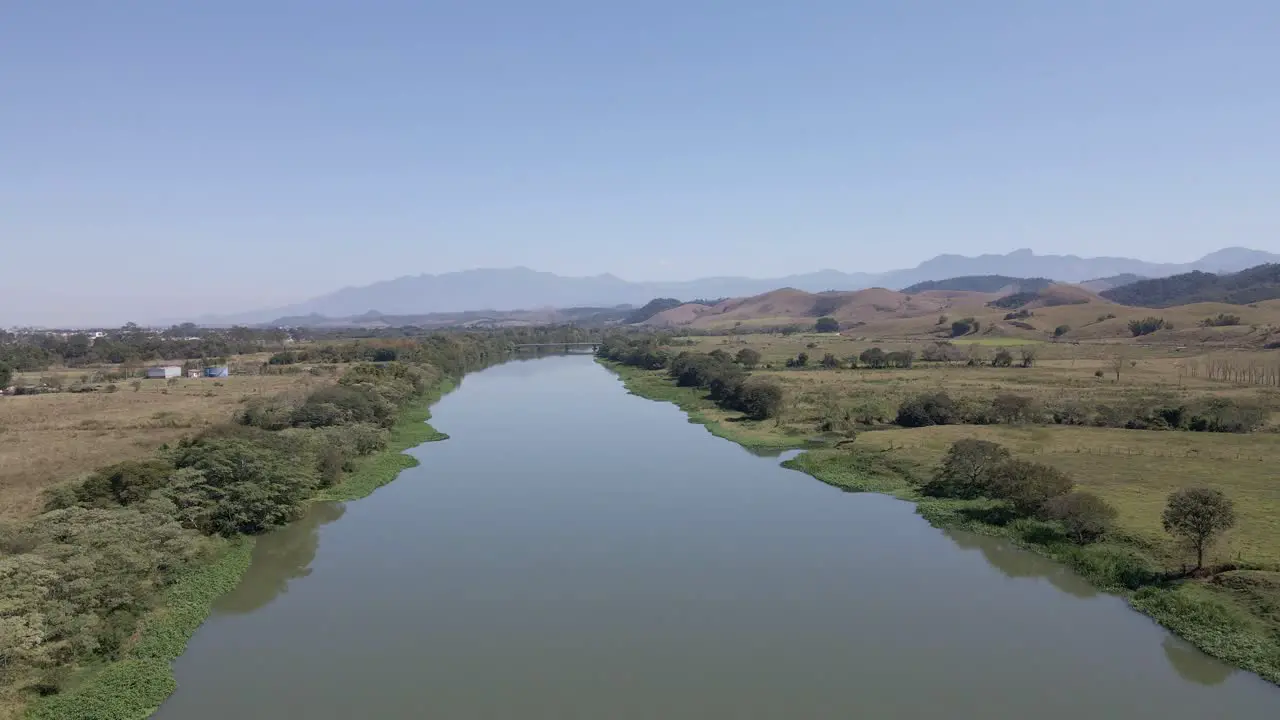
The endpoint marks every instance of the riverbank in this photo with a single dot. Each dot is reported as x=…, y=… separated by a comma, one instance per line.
x=1232, y=617
x=133, y=687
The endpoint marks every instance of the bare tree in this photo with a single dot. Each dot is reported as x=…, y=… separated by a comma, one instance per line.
x=1116, y=363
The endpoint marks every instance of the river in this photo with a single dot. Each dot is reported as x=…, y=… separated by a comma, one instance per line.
x=575, y=552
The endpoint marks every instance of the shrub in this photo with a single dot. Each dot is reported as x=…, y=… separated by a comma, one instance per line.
x=799, y=361
x=1010, y=408
x=967, y=470
x=1084, y=516
x=748, y=358
x=1222, y=320
x=927, y=409
x=826, y=325
x=964, y=327
x=342, y=404
x=830, y=361
x=1224, y=415
x=941, y=352
x=1002, y=358
x=1146, y=326
x=1061, y=330
x=874, y=358
x=900, y=358
x=232, y=485
x=759, y=398
x=125, y=483
x=1028, y=485
x=269, y=413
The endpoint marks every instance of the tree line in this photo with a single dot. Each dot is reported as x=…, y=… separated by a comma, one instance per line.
x=1209, y=415
x=725, y=378
x=1027, y=491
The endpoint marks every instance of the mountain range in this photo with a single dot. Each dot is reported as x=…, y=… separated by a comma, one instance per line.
x=523, y=288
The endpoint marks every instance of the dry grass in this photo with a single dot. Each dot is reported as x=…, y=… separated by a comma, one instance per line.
x=45, y=439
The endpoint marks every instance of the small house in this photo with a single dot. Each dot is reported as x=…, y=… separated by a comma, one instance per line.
x=161, y=372
x=193, y=373
x=216, y=371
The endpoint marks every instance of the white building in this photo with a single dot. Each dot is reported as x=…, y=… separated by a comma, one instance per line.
x=164, y=371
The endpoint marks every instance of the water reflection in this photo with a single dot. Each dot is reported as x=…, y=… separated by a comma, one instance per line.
x=1194, y=665
x=1016, y=562
x=279, y=557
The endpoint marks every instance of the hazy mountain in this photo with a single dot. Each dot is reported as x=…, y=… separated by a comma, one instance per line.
x=979, y=283
x=522, y=288
x=1099, y=284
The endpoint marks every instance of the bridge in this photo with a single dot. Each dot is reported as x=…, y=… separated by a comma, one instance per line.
x=565, y=347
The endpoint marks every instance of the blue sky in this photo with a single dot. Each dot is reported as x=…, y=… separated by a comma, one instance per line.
x=232, y=155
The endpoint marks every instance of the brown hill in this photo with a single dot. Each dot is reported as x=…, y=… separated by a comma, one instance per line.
x=789, y=306
x=679, y=315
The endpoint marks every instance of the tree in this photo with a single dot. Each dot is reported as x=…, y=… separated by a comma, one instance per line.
x=830, y=362
x=1003, y=358
x=1116, y=363
x=1061, y=330
x=966, y=471
x=760, y=398
x=1198, y=516
x=1028, y=485
x=801, y=360
x=6, y=375
x=748, y=358
x=1028, y=355
x=927, y=409
x=826, y=325
x=1146, y=326
x=1011, y=408
x=1085, y=516
x=874, y=358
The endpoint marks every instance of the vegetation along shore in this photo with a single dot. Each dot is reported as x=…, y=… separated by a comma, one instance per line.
x=104, y=582
x=1161, y=493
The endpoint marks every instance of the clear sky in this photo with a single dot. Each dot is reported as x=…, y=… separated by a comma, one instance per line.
x=220, y=156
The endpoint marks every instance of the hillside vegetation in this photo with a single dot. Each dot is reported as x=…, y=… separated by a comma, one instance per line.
x=1243, y=288
x=981, y=283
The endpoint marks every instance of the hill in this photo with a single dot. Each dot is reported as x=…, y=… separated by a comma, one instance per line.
x=980, y=283
x=1098, y=285
x=514, y=288
x=1052, y=295
x=651, y=308
x=1242, y=288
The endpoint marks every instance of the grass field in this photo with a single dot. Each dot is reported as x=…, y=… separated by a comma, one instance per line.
x=47, y=438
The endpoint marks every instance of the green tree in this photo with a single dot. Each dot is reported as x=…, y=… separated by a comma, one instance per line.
x=927, y=409
x=6, y=375
x=239, y=486
x=760, y=398
x=967, y=470
x=1028, y=485
x=1085, y=516
x=826, y=325
x=748, y=357
x=1198, y=516
x=1061, y=330
x=830, y=361
x=1003, y=358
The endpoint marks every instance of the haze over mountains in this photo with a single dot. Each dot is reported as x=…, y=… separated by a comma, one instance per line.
x=523, y=288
